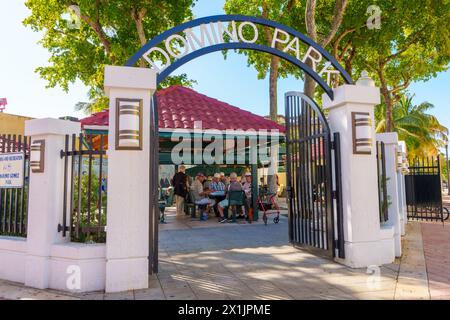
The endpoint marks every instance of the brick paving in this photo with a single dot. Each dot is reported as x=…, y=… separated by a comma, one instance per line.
x=436, y=245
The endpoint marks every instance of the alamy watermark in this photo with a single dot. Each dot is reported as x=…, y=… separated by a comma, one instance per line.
x=374, y=20
x=229, y=147
x=374, y=279
x=72, y=17
x=73, y=281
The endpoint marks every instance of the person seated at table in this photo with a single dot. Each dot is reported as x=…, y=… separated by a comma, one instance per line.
x=223, y=179
x=247, y=187
x=200, y=195
x=207, y=183
x=233, y=186
x=216, y=184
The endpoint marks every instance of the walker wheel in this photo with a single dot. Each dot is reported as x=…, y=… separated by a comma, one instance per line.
x=276, y=219
x=265, y=219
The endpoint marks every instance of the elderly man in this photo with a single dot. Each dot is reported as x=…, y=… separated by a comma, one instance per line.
x=200, y=195
x=233, y=186
x=216, y=184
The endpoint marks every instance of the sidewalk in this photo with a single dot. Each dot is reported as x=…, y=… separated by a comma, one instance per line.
x=258, y=263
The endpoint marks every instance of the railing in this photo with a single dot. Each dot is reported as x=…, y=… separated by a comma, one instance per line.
x=382, y=183
x=423, y=190
x=85, y=183
x=14, y=201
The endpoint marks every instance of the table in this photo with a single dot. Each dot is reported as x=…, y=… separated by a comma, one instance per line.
x=217, y=196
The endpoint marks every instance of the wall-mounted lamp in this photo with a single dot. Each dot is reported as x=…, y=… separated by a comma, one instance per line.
x=37, y=155
x=362, y=133
x=399, y=160
x=128, y=124
x=405, y=167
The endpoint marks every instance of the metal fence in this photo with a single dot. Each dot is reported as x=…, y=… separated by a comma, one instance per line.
x=14, y=201
x=85, y=184
x=382, y=183
x=423, y=190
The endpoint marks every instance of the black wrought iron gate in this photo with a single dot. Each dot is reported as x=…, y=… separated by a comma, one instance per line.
x=153, y=196
x=313, y=177
x=423, y=190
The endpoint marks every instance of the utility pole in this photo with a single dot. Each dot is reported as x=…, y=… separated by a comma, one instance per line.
x=446, y=162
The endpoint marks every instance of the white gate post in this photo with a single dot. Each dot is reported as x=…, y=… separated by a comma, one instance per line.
x=401, y=186
x=127, y=239
x=366, y=242
x=45, y=197
x=390, y=140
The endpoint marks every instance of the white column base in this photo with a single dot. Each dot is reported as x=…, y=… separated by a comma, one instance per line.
x=126, y=274
x=37, y=273
x=370, y=253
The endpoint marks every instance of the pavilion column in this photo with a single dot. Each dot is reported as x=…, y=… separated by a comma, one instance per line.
x=366, y=242
x=127, y=243
x=402, y=167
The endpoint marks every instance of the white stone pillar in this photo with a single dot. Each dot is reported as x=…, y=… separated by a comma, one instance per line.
x=366, y=243
x=127, y=240
x=45, y=198
x=401, y=188
x=390, y=140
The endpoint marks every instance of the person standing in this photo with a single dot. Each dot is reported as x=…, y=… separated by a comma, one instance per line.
x=179, y=183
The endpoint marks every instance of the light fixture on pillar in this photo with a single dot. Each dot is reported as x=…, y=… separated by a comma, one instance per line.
x=128, y=124
x=37, y=155
x=405, y=169
x=399, y=160
x=362, y=133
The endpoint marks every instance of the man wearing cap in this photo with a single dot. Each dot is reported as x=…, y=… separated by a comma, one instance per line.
x=200, y=195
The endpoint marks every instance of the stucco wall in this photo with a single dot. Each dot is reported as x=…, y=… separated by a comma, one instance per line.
x=12, y=124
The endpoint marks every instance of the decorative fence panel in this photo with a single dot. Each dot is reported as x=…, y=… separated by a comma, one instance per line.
x=382, y=183
x=14, y=200
x=85, y=185
x=423, y=190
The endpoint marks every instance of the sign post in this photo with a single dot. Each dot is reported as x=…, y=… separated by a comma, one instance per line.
x=11, y=170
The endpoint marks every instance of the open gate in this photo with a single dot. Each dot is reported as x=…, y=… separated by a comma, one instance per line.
x=313, y=178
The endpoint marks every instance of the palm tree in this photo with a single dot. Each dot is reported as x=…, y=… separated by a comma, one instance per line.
x=421, y=131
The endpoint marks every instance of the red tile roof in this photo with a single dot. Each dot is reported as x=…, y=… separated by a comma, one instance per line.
x=179, y=107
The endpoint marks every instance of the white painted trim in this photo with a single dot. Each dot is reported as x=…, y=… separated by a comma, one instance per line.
x=94, y=127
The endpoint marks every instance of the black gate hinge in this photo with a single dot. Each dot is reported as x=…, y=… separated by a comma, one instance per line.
x=61, y=227
x=332, y=145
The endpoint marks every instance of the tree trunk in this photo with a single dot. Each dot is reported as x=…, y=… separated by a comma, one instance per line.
x=137, y=17
x=387, y=101
x=273, y=87
x=309, y=86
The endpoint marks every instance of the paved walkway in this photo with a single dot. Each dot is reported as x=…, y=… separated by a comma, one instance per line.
x=242, y=261
x=436, y=244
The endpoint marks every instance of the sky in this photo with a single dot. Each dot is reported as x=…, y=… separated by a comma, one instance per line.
x=229, y=80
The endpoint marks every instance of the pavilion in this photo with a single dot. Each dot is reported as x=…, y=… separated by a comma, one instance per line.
x=179, y=110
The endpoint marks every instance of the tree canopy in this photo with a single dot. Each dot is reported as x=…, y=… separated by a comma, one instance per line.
x=421, y=131
x=99, y=32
